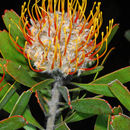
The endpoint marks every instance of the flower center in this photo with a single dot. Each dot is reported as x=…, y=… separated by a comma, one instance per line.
x=59, y=44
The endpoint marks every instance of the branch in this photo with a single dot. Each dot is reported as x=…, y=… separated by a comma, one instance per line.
x=53, y=106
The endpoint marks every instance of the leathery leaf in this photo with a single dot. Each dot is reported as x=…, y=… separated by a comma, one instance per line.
x=7, y=95
x=77, y=116
x=9, y=51
x=10, y=17
x=121, y=122
x=113, y=32
x=14, y=122
x=19, y=74
x=11, y=103
x=21, y=103
x=91, y=106
x=102, y=89
x=123, y=75
x=120, y=92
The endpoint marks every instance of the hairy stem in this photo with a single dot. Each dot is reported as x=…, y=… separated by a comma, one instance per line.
x=53, y=106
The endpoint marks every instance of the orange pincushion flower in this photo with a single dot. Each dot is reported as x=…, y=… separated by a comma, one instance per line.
x=59, y=40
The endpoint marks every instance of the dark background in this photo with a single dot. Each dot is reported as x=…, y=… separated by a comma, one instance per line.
x=120, y=57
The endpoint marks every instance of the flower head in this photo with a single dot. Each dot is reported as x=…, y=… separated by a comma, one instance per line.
x=60, y=40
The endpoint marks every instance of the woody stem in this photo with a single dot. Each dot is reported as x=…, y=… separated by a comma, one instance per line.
x=53, y=105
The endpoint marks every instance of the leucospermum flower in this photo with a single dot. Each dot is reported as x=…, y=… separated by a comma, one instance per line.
x=62, y=40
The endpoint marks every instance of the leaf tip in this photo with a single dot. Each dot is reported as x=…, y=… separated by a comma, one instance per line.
x=26, y=122
x=109, y=106
x=120, y=114
x=5, y=11
x=117, y=24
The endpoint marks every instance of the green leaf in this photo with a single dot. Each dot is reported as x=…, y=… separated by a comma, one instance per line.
x=102, y=89
x=113, y=32
x=2, y=62
x=127, y=35
x=101, y=122
x=10, y=17
x=12, y=123
x=89, y=72
x=9, y=51
x=77, y=116
x=19, y=74
x=109, y=126
x=28, y=116
x=64, y=92
x=42, y=85
x=123, y=75
x=42, y=103
x=21, y=103
x=91, y=106
x=30, y=127
x=121, y=122
x=10, y=104
x=7, y=96
x=120, y=92
x=117, y=110
x=62, y=125
x=4, y=86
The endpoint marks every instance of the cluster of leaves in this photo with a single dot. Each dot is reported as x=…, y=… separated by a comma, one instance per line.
x=18, y=74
